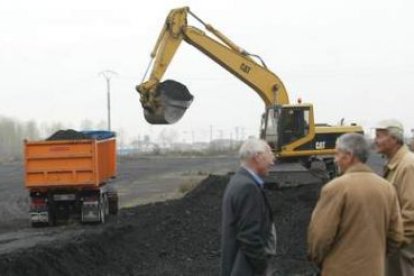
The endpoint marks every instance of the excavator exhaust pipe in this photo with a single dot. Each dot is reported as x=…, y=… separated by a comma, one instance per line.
x=174, y=99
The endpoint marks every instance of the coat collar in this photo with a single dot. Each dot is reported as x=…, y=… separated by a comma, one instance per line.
x=393, y=162
x=360, y=167
x=256, y=178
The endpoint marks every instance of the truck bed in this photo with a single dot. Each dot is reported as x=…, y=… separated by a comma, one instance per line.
x=86, y=163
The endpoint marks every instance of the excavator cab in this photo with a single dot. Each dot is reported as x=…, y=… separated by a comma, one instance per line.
x=269, y=129
x=283, y=125
x=294, y=124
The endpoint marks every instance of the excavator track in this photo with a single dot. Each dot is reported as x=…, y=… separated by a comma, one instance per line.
x=294, y=174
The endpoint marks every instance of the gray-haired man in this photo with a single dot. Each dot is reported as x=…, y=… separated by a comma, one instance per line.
x=357, y=219
x=399, y=170
x=247, y=227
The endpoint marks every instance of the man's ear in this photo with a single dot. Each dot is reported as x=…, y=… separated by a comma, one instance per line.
x=351, y=157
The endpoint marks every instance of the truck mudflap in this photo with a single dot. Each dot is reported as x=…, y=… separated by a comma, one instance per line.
x=39, y=212
x=90, y=211
x=95, y=208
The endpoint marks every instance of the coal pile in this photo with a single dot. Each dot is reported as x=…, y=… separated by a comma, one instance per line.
x=174, y=90
x=292, y=208
x=71, y=134
x=178, y=237
x=68, y=134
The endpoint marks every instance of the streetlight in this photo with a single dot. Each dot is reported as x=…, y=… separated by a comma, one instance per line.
x=107, y=74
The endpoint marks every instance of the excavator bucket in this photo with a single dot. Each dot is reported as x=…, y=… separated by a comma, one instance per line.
x=174, y=99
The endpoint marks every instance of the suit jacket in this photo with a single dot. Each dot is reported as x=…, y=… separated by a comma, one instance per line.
x=246, y=223
x=355, y=222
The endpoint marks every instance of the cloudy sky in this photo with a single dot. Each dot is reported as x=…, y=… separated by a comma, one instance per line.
x=352, y=59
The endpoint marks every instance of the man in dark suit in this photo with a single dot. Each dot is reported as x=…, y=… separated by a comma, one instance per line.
x=248, y=237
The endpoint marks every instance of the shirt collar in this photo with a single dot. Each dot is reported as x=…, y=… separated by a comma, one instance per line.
x=259, y=181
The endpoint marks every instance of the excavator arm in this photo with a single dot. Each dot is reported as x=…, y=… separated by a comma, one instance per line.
x=165, y=103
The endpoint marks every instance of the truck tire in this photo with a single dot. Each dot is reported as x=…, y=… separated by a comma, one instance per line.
x=103, y=203
x=38, y=224
x=52, y=213
x=113, y=203
x=106, y=205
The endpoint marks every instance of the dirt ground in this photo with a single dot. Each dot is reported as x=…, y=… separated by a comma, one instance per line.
x=139, y=180
x=179, y=236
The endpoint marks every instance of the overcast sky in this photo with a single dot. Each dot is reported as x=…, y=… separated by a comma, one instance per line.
x=352, y=59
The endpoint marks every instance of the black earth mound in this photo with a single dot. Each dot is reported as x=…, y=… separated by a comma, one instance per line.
x=178, y=237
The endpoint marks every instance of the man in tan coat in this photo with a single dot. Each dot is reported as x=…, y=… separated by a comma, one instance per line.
x=399, y=170
x=356, y=220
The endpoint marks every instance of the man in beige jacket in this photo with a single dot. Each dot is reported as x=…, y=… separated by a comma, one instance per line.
x=399, y=170
x=357, y=219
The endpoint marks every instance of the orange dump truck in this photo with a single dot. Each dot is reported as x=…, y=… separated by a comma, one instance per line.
x=70, y=178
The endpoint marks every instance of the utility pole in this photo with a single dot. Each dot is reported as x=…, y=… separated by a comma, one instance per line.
x=107, y=74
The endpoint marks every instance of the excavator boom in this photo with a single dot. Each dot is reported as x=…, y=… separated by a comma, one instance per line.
x=165, y=103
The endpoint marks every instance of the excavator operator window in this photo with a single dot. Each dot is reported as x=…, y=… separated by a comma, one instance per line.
x=294, y=124
x=270, y=123
x=263, y=126
x=306, y=118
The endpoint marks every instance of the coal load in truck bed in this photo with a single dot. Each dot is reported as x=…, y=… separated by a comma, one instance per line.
x=176, y=237
x=71, y=134
x=68, y=134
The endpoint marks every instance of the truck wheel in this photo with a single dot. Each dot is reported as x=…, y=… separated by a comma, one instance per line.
x=103, y=203
x=113, y=203
x=51, y=214
x=106, y=205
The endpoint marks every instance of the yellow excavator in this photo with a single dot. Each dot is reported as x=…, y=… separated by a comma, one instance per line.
x=288, y=128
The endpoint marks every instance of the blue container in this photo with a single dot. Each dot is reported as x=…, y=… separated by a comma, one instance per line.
x=99, y=134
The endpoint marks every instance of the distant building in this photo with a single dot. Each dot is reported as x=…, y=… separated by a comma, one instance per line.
x=224, y=144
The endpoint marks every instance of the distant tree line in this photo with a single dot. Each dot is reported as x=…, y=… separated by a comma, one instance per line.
x=13, y=132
